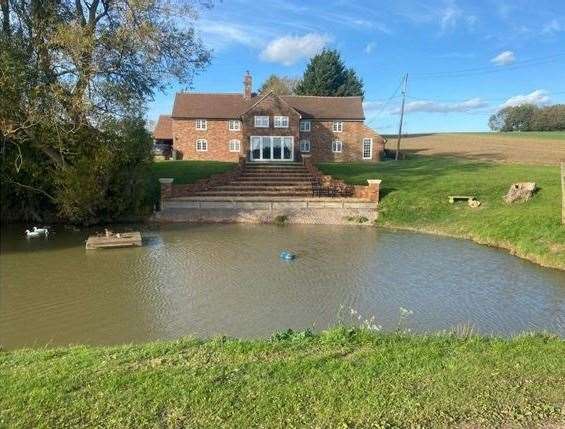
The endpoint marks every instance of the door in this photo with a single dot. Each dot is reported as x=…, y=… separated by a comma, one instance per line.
x=272, y=148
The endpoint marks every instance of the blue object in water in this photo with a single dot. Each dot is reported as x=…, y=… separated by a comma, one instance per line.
x=286, y=255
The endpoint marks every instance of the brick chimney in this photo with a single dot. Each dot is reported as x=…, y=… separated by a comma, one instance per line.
x=247, y=85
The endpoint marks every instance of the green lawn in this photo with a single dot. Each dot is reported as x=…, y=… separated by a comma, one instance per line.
x=183, y=172
x=189, y=171
x=341, y=378
x=414, y=195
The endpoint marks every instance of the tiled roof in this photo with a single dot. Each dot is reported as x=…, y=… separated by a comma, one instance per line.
x=227, y=106
x=163, y=129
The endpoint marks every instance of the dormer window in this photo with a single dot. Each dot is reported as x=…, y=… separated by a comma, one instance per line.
x=261, y=122
x=338, y=126
x=305, y=126
x=201, y=124
x=281, y=122
x=234, y=125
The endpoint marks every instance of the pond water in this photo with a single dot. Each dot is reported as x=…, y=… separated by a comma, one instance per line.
x=207, y=280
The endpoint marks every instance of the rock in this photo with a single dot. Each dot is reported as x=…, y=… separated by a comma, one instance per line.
x=474, y=203
x=522, y=191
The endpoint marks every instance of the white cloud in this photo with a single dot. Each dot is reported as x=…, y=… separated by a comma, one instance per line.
x=552, y=27
x=438, y=107
x=449, y=16
x=220, y=34
x=372, y=106
x=288, y=50
x=537, y=97
x=370, y=47
x=504, y=58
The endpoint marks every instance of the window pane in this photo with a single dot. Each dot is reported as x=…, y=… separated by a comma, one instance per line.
x=266, y=143
x=277, y=148
x=255, y=147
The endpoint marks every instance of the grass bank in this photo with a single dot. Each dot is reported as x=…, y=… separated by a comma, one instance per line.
x=341, y=378
x=184, y=172
x=414, y=196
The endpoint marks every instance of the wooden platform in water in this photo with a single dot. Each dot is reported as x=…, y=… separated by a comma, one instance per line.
x=124, y=239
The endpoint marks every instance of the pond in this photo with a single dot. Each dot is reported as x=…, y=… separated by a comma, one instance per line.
x=208, y=280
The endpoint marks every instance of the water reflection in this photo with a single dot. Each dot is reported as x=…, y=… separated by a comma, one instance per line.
x=207, y=280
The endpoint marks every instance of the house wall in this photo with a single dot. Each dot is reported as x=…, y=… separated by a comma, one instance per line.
x=271, y=106
x=218, y=136
x=322, y=135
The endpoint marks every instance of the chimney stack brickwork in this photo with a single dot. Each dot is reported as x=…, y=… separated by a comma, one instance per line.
x=247, y=86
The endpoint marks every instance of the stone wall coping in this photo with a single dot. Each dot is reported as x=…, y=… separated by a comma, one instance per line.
x=166, y=180
x=374, y=181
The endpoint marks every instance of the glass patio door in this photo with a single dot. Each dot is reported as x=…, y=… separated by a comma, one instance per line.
x=271, y=148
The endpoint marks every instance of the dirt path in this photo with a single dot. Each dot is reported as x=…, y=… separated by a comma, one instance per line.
x=521, y=150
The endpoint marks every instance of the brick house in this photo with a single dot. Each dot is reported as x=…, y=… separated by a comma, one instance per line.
x=268, y=127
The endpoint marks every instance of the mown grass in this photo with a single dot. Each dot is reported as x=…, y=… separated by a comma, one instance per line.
x=341, y=378
x=415, y=194
x=189, y=171
x=183, y=172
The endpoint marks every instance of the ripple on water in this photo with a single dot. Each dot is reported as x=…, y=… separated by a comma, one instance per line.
x=228, y=279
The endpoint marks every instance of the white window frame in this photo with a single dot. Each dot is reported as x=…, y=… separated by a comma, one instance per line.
x=337, y=126
x=201, y=124
x=236, y=143
x=257, y=121
x=201, y=145
x=337, y=144
x=305, y=142
x=234, y=125
x=305, y=126
x=280, y=121
x=367, y=139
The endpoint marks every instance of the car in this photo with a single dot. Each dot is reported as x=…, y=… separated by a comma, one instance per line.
x=162, y=149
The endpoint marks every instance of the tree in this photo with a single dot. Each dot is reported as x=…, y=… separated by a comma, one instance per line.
x=528, y=117
x=280, y=85
x=327, y=75
x=76, y=76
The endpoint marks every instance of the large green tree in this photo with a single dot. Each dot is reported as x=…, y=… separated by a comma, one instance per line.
x=327, y=75
x=75, y=79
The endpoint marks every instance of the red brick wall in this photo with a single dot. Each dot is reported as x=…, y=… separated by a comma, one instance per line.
x=322, y=135
x=218, y=136
x=271, y=106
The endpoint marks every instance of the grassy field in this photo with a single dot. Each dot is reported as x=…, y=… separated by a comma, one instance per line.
x=522, y=148
x=341, y=378
x=550, y=135
x=414, y=195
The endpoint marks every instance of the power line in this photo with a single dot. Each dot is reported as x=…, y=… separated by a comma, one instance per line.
x=489, y=69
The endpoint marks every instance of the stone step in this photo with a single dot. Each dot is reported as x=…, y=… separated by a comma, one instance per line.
x=215, y=193
x=275, y=172
x=271, y=182
x=285, y=174
x=266, y=188
x=274, y=164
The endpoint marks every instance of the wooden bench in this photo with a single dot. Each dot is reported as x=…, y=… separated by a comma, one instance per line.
x=453, y=198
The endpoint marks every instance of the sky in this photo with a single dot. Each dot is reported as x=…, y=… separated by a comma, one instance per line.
x=465, y=59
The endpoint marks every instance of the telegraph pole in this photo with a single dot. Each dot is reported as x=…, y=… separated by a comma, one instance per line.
x=404, y=82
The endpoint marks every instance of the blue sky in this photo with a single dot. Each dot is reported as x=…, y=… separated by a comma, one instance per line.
x=465, y=58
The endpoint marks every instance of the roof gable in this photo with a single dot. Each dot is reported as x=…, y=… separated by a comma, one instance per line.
x=164, y=128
